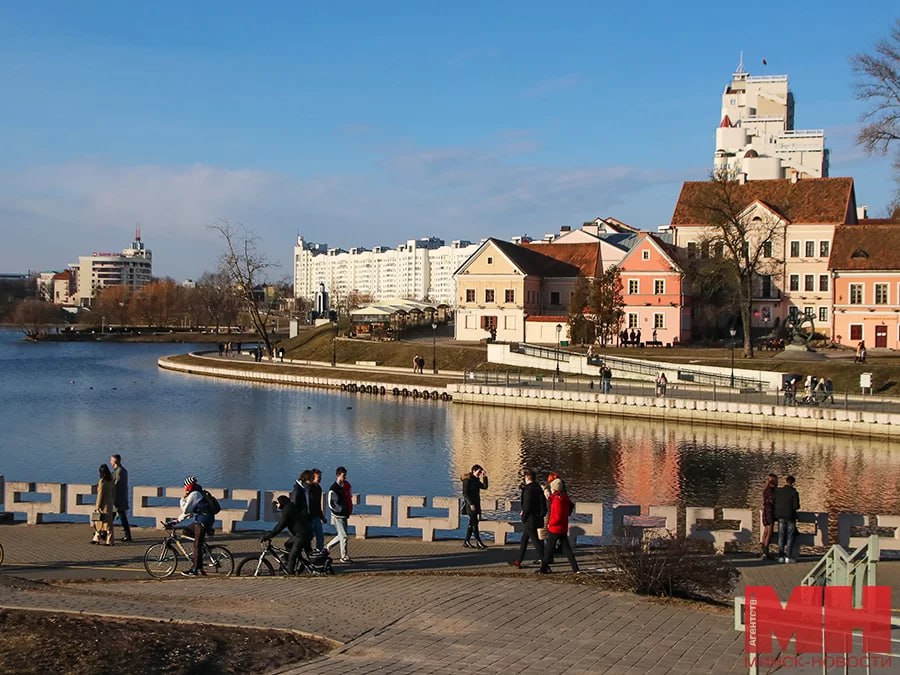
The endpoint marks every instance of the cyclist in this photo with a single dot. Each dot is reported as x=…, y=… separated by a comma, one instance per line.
x=195, y=507
x=297, y=524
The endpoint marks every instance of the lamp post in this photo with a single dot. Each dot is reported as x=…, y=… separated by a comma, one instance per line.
x=558, y=331
x=733, y=332
x=434, y=347
x=334, y=346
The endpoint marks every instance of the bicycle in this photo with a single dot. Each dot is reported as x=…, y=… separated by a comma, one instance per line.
x=261, y=565
x=161, y=560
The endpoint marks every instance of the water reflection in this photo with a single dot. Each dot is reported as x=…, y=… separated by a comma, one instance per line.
x=65, y=407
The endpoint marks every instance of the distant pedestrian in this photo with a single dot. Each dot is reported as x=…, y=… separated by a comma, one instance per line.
x=416, y=364
x=239, y=348
x=654, y=336
x=633, y=337
x=281, y=354
x=637, y=338
x=787, y=504
x=661, y=383
x=861, y=352
x=120, y=480
x=605, y=379
x=221, y=348
x=105, y=508
x=558, y=527
x=472, y=484
x=820, y=390
x=340, y=502
x=316, y=514
x=790, y=392
x=768, y=515
x=623, y=338
x=829, y=390
x=420, y=361
x=534, y=509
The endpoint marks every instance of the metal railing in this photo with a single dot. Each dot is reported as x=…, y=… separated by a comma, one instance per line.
x=838, y=567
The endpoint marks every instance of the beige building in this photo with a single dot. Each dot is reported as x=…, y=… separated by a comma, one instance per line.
x=756, y=135
x=133, y=267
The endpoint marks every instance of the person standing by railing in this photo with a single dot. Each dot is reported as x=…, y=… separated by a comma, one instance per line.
x=787, y=504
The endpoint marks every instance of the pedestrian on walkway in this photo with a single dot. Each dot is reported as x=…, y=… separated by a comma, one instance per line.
x=534, y=508
x=787, y=503
x=415, y=364
x=768, y=515
x=296, y=524
x=105, y=509
x=300, y=497
x=661, y=383
x=195, y=507
x=316, y=514
x=861, y=352
x=472, y=484
x=340, y=502
x=829, y=391
x=558, y=527
x=605, y=379
x=120, y=480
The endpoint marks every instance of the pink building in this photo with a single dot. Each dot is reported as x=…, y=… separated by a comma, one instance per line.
x=865, y=264
x=655, y=294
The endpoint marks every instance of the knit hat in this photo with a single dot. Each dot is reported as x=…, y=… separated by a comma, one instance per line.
x=555, y=485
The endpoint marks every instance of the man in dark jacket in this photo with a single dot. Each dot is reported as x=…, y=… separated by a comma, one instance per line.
x=316, y=515
x=534, y=508
x=120, y=479
x=297, y=524
x=787, y=503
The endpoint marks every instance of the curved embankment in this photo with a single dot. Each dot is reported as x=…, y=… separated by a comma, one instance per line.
x=276, y=373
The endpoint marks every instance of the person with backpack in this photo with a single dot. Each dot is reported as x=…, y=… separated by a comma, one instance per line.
x=340, y=502
x=534, y=508
x=196, y=507
x=558, y=527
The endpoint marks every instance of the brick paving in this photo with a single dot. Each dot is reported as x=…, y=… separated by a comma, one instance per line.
x=467, y=610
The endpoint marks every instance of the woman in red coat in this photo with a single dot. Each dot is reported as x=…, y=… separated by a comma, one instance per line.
x=558, y=527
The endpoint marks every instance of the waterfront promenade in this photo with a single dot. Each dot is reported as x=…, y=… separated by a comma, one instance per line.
x=403, y=606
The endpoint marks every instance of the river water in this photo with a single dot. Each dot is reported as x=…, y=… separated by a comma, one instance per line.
x=64, y=407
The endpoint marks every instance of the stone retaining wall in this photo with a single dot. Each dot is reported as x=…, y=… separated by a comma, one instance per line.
x=414, y=515
x=802, y=419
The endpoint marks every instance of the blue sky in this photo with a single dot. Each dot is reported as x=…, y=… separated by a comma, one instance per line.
x=372, y=123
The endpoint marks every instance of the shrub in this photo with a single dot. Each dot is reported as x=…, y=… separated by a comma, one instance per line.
x=672, y=567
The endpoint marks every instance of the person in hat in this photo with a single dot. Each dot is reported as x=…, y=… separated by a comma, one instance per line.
x=195, y=508
x=558, y=527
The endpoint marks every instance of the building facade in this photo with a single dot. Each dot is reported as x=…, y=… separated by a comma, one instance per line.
x=419, y=269
x=133, y=267
x=756, y=135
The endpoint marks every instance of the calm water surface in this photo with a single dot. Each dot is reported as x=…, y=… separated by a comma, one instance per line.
x=64, y=407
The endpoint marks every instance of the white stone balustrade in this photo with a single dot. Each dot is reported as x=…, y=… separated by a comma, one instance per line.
x=617, y=516
x=594, y=528
x=361, y=522
x=819, y=535
x=34, y=510
x=500, y=529
x=428, y=524
x=847, y=521
x=719, y=538
x=81, y=498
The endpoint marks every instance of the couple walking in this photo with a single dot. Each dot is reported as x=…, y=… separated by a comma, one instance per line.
x=553, y=503
x=781, y=504
x=112, y=500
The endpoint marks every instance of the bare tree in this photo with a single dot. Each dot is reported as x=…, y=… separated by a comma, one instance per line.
x=217, y=298
x=35, y=317
x=113, y=304
x=878, y=83
x=741, y=242
x=245, y=268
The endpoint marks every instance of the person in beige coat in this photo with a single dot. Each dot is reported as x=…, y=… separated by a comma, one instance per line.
x=106, y=508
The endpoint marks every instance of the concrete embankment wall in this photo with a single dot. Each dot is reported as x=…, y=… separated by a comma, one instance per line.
x=801, y=419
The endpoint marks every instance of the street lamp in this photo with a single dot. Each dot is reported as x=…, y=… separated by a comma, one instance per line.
x=733, y=332
x=434, y=347
x=558, y=331
x=334, y=346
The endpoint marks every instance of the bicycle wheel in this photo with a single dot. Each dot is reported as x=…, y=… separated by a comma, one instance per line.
x=254, y=567
x=1, y=554
x=160, y=561
x=219, y=561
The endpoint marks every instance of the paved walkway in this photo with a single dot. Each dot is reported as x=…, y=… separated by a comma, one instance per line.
x=402, y=606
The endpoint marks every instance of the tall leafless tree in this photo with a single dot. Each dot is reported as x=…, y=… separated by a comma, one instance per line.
x=878, y=84
x=246, y=269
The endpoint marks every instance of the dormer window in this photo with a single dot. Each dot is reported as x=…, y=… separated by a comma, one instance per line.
x=645, y=254
x=490, y=260
x=860, y=253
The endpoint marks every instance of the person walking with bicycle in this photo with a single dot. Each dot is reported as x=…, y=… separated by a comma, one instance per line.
x=195, y=507
x=297, y=524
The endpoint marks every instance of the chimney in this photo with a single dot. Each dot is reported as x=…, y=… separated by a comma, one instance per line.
x=862, y=212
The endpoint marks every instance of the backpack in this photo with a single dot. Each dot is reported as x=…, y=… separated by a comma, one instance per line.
x=571, y=507
x=212, y=502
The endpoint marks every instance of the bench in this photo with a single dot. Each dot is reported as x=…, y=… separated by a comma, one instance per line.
x=654, y=343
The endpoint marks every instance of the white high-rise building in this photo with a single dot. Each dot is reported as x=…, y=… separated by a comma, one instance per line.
x=419, y=269
x=133, y=267
x=756, y=135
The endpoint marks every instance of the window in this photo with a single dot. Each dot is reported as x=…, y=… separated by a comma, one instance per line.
x=856, y=294
x=659, y=287
x=509, y=322
x=824, y=249
x=489, y=322
x=470, y=295
x=881, y=294
x=767, y=249
x=809, y=282
x=795, y=249
x=632, y=320
x=793, y=312
x=645, y=254
x=490, y=260
x=810, y=251
x=809, y=311
x=856, y=331
x=634, y=287
x=823, y=315
x=554, y=297
x=823, y=282
x=719, y=249
x=510, y=296
x=659, y=320
x=470, y=321
x=692, y=249
x=794, y=282
x=489, y=295
x=766, y=280
x=704, y=249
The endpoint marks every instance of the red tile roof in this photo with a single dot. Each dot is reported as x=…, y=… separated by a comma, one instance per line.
x=866, y=247
x=810, y=200
x=585, y=257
